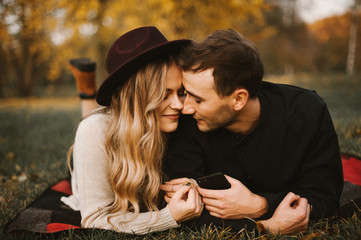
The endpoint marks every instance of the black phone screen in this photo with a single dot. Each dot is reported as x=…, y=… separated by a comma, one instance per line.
x=215, y=181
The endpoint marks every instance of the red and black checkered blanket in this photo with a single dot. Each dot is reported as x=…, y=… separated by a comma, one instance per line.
x=47, y=214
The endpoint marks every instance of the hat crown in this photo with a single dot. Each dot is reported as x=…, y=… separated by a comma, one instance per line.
x=131, y=45
x=130, y=52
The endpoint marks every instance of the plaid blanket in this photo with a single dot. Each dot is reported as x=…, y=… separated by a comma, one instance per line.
x=47, y=214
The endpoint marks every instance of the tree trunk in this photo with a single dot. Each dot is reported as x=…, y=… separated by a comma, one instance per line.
x=101, y=72
x=101, y=48
x=28, y=76
x=352, y=41
x=25, y=72
x=25, y=62
x=3, y=73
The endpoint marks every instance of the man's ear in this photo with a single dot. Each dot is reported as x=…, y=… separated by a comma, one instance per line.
x=240, y=98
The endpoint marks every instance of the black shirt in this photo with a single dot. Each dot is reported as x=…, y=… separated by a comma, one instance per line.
x=294, y=148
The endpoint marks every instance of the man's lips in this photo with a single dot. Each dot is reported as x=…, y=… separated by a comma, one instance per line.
x=198, y=119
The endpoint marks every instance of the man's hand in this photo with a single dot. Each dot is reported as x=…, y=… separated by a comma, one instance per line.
x=234, y=203
x=292, y=215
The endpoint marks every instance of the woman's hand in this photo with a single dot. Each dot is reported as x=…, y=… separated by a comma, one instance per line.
x=172, y=186
x=292, y=215
x=185, y=204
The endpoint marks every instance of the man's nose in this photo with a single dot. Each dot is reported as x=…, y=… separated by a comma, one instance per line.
x=188, y=106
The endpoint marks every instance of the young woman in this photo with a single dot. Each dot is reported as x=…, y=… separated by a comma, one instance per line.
x=118, y=149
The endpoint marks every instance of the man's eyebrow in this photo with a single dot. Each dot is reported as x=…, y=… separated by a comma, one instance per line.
x=194, y=95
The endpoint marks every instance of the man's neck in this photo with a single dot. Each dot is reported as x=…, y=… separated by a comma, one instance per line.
x=248, y=118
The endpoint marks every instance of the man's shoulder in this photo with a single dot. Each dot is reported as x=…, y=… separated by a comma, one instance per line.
x=291, y=96
x=293, y=103
x=289, y=89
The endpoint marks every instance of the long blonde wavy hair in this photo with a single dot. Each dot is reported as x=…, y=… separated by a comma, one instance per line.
x=134, y=142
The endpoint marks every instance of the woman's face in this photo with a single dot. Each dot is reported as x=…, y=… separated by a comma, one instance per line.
x=172, y=104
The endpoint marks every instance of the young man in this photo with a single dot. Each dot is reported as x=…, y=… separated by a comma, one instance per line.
x=273, y=141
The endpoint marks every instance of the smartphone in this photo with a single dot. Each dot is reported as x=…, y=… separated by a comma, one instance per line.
x=215, y=181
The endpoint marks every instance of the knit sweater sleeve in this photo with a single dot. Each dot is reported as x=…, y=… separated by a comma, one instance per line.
x=94, y=191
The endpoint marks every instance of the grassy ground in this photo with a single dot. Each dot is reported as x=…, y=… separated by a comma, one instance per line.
x=35, y=134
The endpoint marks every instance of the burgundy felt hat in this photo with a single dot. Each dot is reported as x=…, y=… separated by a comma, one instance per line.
x=129, y=52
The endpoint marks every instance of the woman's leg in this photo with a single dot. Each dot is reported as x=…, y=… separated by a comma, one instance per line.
x=83, y=70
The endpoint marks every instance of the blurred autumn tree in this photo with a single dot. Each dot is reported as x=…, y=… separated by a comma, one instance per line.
x=286, y=45
x=331, y=35
x=105, y=20
x=39, y=37
x=332, y=39
x=25, y=44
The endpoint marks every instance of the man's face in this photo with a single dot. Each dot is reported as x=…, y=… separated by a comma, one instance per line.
x=203, y=102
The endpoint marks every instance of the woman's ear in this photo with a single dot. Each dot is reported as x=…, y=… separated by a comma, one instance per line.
x=240, y=97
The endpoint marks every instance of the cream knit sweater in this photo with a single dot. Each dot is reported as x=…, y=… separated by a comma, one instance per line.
x=92, y=191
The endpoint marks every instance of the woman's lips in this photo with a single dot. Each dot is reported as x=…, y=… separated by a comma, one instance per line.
x=171, y=116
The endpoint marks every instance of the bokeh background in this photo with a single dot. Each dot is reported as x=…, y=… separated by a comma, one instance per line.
x=314, y=44
x=38, y=37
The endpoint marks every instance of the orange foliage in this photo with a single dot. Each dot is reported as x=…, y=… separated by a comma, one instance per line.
x=332, y=38
x=332, y=27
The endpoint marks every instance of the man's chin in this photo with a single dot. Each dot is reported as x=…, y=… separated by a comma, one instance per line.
x=203, y=127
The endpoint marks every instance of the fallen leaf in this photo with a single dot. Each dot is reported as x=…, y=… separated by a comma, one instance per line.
x=22, y=177
x=17, y=167
x=10, y=156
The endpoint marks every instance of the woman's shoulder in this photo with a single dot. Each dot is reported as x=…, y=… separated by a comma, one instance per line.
x=94, y=124
x=96, y=119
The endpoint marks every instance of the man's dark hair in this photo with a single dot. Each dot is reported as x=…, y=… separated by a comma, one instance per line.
x=235, y=60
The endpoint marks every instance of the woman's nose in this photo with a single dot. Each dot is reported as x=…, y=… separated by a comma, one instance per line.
x=187, y=106
x=176, y=103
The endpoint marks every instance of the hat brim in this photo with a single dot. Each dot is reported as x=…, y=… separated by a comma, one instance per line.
x=124, y=71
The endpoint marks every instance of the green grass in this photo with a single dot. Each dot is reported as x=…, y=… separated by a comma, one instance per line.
x=35, y=134
x=33, y=145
